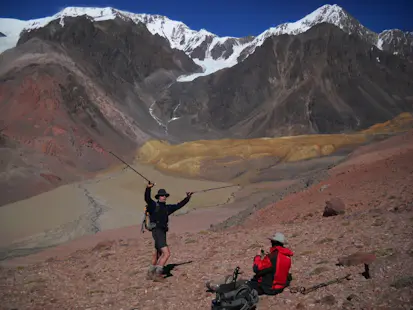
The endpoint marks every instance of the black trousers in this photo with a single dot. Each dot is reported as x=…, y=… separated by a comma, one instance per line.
x=253, y=283
x=159, y=236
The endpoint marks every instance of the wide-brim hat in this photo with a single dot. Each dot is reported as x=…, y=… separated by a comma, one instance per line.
x=279, y=237
x=161, y=192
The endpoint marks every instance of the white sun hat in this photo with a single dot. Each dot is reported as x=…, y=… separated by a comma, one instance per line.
x=278, y=237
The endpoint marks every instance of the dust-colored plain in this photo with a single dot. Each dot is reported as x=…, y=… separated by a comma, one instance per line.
x=111, y=200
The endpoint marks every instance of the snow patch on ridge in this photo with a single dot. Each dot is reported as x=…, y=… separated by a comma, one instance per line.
x=211, y=65
x=380, y=44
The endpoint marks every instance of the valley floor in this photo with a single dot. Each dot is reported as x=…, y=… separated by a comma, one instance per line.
x=107, y=270
x=110, y=201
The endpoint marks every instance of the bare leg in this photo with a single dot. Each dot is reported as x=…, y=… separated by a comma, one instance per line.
x=152, y=268
x=164, y=257
x=155, y=257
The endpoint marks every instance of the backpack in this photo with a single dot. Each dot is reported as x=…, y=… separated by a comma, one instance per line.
x=235, y=295
x=146, y=222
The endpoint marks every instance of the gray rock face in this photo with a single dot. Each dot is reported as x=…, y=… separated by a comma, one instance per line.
x=125, y=59
x=320, y=81
x=397, y=42
x=130, y=50
x=200, y=51
x=226, y=49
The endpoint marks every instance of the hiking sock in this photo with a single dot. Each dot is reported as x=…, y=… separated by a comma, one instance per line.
x=159, y=269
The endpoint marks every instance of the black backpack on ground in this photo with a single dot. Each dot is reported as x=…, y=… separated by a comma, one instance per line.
x=235, y=295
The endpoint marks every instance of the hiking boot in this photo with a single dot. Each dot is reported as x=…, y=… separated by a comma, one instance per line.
x=158, y=277
x=150, y=274
x=158, y=274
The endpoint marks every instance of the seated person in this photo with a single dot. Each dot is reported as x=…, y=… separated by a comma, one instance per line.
x=272, y=270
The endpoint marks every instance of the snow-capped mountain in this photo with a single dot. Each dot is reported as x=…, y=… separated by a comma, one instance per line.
x=209, y=50
x=397, y=42
x=332, y=14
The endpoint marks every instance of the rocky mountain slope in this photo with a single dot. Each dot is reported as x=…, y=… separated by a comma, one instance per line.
x=88, y=80
x=321, y=81
x=376, y=187
x=211, y=51
x=70, y=94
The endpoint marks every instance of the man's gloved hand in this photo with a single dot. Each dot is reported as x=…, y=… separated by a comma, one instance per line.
x=150, y=184
x=189, y=194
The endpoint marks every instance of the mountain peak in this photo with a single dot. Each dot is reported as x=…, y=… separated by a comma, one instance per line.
x=397, y=42
x=330, y=8
x=206, y=32
x=328, y=13
x=207, y=49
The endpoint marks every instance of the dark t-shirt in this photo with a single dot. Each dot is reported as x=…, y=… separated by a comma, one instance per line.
x=159, y=211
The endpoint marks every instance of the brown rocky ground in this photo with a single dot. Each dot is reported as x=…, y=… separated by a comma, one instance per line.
x=376, y=185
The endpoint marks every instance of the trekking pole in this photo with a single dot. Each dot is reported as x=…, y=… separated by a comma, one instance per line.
x=120, y=159
x=128, y=165
x=304, y=290
x=214, y=188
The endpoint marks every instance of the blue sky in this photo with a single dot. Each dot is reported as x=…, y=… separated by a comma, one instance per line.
x=230, y=17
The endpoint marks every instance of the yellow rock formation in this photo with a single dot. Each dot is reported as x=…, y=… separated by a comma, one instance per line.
x=398, y=124
x=187, y=158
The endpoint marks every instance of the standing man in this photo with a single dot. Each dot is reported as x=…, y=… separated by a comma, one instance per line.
x=159, y=213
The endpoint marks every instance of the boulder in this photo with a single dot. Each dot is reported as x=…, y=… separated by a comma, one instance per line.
x=334, y=206
x=357, y=259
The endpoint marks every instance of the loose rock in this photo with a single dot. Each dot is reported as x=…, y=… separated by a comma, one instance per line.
x=357, y=259
x=334, y=206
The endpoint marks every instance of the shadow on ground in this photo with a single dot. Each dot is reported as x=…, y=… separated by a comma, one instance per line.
x=168, y=268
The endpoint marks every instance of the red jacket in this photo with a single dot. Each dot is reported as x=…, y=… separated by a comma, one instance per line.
x=272, y=271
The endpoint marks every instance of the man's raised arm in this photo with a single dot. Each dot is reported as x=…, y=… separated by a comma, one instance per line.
x=148, y=198
x=179, y=205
